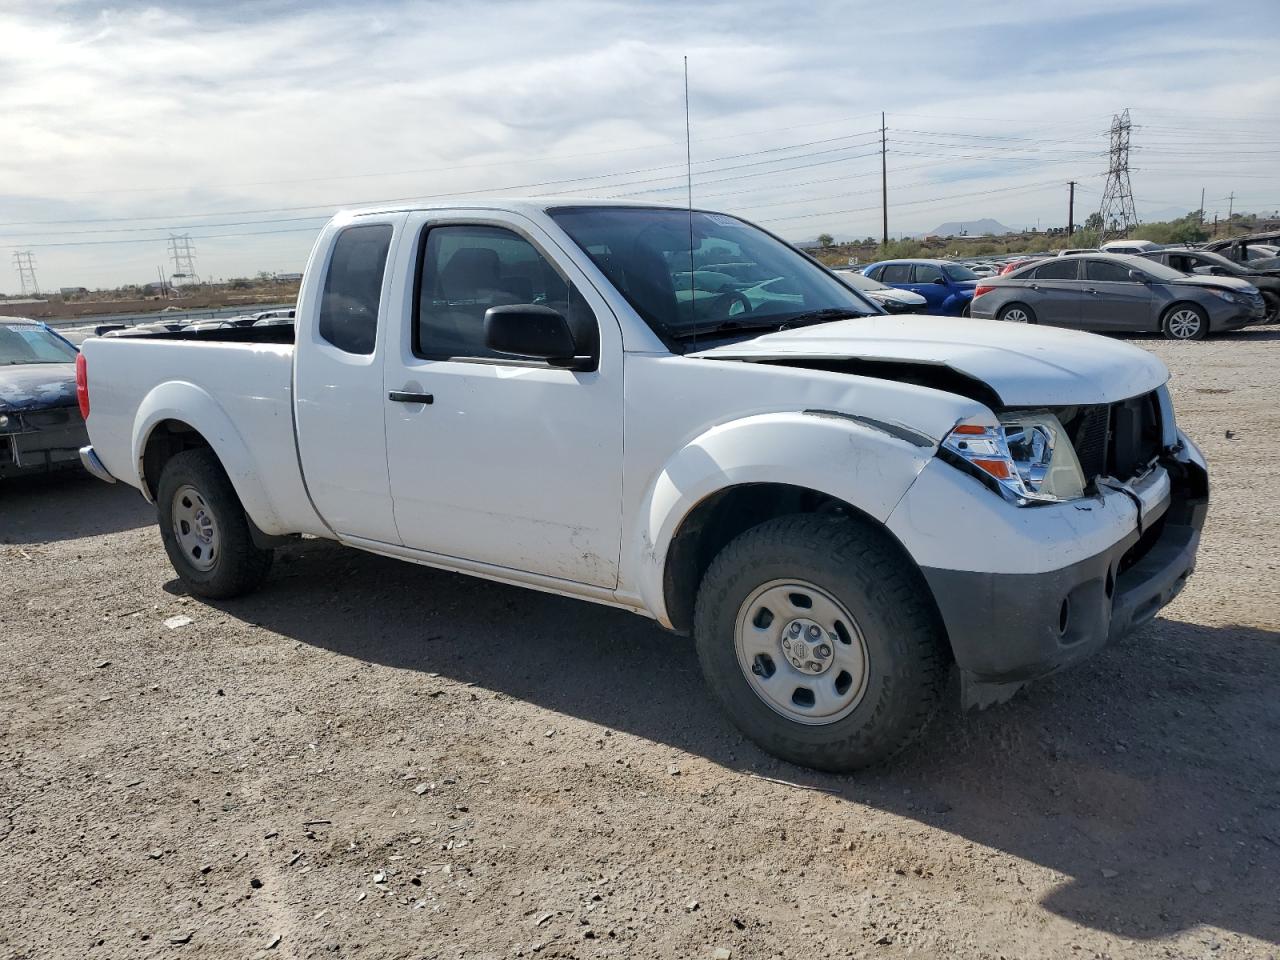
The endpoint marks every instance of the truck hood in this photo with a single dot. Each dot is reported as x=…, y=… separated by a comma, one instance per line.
x=1023, y=365
x=37, y=386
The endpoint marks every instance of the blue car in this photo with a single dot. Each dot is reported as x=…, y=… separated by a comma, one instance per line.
x=946, y=287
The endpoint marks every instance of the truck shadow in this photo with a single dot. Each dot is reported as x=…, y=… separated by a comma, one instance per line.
x=68, y=506
x=1146, y=777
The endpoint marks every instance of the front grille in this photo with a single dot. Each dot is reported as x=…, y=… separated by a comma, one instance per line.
x=1118, y=440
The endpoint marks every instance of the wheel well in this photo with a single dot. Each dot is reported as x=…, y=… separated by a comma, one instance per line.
x=726, y=514
x=168, y=438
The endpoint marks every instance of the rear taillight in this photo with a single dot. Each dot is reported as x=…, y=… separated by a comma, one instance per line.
x=82, y=385
x=982, y=288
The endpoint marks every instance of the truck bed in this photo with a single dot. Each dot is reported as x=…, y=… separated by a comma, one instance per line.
x=234, y=387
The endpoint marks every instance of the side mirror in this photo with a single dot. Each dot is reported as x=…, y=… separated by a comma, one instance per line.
x=533, y=331
x=941, y=281
x=1137, y=276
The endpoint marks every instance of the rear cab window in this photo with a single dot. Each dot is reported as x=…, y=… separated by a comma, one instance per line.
x=352, y=292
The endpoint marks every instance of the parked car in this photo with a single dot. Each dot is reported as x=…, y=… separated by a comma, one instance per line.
x=946, y=287
x=1120, y=293
x=41, y=428
x=1258, y=246
x=1206, y=263
x=981, y=269
x=1013, y=265
x=1074, y=251
x=890, y=298
x=837, y=504
x=1129, y=246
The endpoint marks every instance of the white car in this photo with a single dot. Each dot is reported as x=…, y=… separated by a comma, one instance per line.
x=838, y=505
x=891, y=299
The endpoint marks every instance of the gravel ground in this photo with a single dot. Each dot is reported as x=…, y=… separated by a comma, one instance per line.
x=374, y=759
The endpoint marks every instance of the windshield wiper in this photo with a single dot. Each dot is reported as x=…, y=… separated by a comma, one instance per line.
x=825, y=315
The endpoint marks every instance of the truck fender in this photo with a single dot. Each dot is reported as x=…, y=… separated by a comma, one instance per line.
x=866, y=463
x=192, y=405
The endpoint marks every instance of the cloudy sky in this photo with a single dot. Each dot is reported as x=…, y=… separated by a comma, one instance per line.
x=245, y=124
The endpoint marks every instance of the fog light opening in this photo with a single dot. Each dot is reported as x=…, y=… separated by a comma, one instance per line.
x=1064, y=615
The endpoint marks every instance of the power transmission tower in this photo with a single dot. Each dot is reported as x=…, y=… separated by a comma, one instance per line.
x=1117, y=210
x=183, y=255
x=25, y=261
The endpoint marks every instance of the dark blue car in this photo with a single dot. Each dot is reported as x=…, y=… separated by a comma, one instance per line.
x=947, y=287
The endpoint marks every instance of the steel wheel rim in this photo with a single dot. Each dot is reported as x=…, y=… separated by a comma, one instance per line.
x=195, y=528
x=788, y=622
x=1184, y=324
x=1016, y=316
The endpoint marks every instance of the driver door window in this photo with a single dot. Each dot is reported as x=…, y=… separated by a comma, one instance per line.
x=465, y=270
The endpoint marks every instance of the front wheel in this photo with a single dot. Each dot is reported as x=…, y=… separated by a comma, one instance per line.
x=813, y=635
x=1185, y=321
x=1272, y=301
x=205, y=529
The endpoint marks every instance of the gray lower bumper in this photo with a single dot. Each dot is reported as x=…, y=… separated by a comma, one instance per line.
x=1007, y=629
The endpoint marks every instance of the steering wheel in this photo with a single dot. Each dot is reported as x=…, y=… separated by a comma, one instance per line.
x=721, y=308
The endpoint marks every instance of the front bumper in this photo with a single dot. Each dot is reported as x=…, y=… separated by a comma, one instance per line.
x=1008, y=628
x=41, y=441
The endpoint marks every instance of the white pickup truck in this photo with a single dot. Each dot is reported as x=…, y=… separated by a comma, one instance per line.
x=678, y=414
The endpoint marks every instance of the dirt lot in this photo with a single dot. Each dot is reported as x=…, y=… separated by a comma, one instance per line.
x=378, y=760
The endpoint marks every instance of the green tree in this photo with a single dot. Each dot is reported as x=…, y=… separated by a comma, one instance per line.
x=1093, y=222
x=826, y=240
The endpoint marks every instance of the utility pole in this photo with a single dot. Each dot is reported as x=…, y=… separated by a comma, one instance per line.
x=1071, y=207
x=1202, y=206
x=884, y=181
x=25, y=261
x=1118, y=212
x=1231, y=203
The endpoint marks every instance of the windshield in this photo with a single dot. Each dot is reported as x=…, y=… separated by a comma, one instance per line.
x=860, y=280
x=958, y=273
x=735, y=277
x=22, y=343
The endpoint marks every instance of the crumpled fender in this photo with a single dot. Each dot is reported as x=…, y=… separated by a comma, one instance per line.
x=194, y=406
x=868, y=464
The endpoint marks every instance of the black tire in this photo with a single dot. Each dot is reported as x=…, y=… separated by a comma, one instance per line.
x=906, y=653
x=238, y=566
x=1003, y=315
x=1168, y=321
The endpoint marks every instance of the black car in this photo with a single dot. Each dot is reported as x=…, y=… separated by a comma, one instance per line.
x=40, y=424
x=1209, y=264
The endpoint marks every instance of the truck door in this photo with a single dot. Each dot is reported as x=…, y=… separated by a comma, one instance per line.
x=496, y=459
x=338, y=382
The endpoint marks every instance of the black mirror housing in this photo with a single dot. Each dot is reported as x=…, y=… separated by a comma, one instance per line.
x=941, y=281
x=533, y=331
x=1138, y=276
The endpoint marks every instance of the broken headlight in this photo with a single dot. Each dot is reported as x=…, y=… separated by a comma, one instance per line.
x=1027, y=457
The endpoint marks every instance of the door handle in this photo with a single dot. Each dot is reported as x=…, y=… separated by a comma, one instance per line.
x=1090, y=290
x=1035, y=286
x=402, y=396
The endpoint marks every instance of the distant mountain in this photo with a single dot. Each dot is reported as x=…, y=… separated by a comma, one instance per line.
x=970, y=228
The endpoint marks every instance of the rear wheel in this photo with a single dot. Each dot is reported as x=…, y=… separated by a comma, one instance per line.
x=1016, y=313
x=813, y=635
x=205, y=529
x=1185, y=321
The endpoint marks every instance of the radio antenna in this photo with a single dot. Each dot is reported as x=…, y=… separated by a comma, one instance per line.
x=688, y=169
